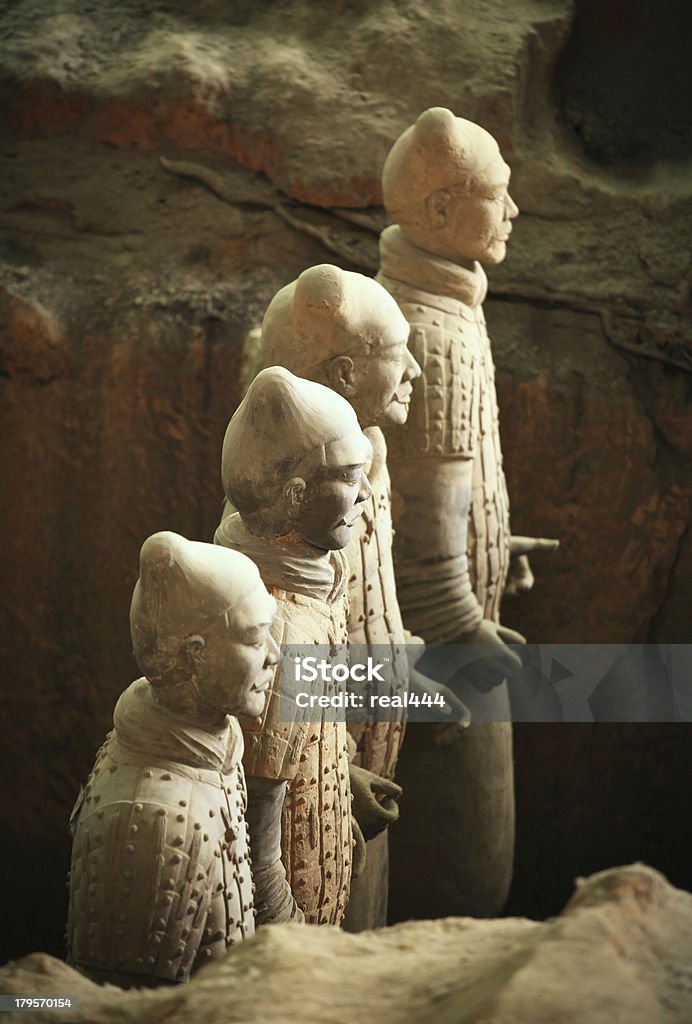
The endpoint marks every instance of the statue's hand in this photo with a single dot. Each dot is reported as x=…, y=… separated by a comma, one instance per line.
x=520, y=578
x=453, y=708
x=490, y=670
x=374, y=801
x=445, y=735
x=415, y=647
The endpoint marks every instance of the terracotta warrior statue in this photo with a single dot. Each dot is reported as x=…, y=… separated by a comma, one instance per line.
x=293, y=465
x=160, y=880
x=343, y=330
x=446, y=187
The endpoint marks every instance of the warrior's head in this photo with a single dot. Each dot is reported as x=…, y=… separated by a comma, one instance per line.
x=294, y=461
x=446, y=185
x=345, y=331
x=200, y=619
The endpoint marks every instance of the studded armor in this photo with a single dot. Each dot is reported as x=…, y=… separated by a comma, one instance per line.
x=374, y=617
x=160, y=879
x=451, y=553
x=311, y=756
x=453, y=418
x=316, y=837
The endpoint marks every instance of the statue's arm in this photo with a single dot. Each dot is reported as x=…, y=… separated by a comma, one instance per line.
x=435, y=590
x=474, y=628
x=374, y=805
x=274, y=902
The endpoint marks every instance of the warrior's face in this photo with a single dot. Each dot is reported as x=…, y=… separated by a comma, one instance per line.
x=239, y=655
x=472, y=220
x=328, y=501
x=382, y=378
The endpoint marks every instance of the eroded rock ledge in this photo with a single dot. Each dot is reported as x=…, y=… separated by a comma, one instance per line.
x=620, y=951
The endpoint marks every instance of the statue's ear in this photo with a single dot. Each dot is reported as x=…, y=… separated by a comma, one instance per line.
x=340, y=374
x=193, y=646
x=437, y=207
x=294, y=495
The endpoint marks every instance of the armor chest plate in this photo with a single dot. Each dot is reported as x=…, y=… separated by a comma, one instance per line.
x=454, y=415
x=375, y=619
x=316, y=835
x=160, y=879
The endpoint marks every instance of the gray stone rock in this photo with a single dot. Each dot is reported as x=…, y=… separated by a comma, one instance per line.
x=618, y=952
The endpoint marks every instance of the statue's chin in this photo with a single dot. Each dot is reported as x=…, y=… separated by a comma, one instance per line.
x=254, y=704
x=495, y=253
x=331, y=540
x=396, y=413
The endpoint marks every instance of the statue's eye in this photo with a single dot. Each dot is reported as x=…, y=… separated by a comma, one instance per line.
x=351, y=476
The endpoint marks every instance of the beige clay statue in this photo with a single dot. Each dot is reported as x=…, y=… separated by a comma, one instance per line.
x=160, y=880
x=343, y=330
x=293, y=466
x=446, y=186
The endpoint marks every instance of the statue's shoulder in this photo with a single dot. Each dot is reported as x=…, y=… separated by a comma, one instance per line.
x=299, y=619
x=440, y=327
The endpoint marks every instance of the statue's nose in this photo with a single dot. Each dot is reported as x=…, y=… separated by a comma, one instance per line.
x=365, y=489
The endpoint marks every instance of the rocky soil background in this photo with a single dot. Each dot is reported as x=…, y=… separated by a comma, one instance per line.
x=618, y=952
x=126, y=288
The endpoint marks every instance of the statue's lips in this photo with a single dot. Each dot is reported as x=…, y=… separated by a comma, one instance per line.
x=352, y=517
x=264, y=685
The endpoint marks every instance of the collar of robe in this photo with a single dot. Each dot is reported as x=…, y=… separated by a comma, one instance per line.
x=144, y=726
x=405, y=262
x=288, y=563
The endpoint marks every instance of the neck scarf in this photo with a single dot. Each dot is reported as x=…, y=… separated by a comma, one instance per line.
x=402, y=261
x=144, y=726
x=292, y=565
